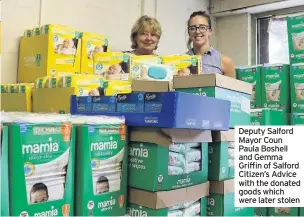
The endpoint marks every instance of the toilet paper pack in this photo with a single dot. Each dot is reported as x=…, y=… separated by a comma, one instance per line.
x=295, y=30
x=41, y=154
x=297, y=87
x=101, y=165
x=275, y=87
x=153, y=167
x=252, y=75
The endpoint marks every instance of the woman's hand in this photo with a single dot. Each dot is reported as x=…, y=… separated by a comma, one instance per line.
x=228, y=67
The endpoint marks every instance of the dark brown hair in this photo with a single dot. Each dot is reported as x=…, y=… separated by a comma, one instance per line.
x=194, y=14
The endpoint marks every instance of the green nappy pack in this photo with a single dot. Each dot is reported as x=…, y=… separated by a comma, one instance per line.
x=266, y=116
x=260, y=212
x=221, y=156
x=283, y=211
x=189, y=201
x=220, y=87
x=4, y=171
x=166, y=159
x=221, y=200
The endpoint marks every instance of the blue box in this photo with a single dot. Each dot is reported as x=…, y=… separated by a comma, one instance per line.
x=132, y=102
x=179, y=110
x=84, y=104
x=153, y=102
x=103, y=104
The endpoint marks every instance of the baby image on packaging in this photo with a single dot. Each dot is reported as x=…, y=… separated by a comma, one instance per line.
x=95, y=49
x=273, y=91
x=282, y=210
x=66, y=46
x=298, y=41
x=39, y=193
x=102, y=185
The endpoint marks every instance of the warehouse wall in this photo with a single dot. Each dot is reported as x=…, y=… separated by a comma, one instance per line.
x=99, y=16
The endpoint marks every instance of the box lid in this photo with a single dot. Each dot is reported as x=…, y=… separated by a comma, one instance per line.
x=166, y=136
x=222, y=187
x=223, y=136
x=151, y=86
x=165, y=199
x=212, y=80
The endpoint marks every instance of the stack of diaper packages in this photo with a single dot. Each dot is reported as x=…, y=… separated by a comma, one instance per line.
x=276, y=87
x=166, y=162
x=54, y=50
x=266, y=116
x=221, y=200
x=101, y=176
x=17, y=97
x=220, y=87
x=4, y=170
x=41, y=156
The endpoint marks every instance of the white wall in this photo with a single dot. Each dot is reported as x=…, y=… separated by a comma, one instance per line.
x=113, y=18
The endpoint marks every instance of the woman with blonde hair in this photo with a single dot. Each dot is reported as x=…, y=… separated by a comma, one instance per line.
x=145, y=36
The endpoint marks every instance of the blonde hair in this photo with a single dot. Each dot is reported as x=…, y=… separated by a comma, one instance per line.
x=139, y=26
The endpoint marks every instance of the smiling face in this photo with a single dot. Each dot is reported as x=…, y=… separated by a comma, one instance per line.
x=199, y=31
x=146, y=40
x=39, y=196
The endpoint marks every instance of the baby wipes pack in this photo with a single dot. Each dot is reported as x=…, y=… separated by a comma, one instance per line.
x=184, y=64
x=91, y=44
x=283, y=211
x=56, y=51
x=137, y=72
x=221, y=200
x=4, y=171
x=262, y=117
x=221, y=156
x=275, y=87
x=162, y=159
x=154, y=72
x=295, y=29
x=297, y=87
x=189, y=201
x=112, y=65
x=252, y=75
x=101, y=178
x=220, y=87
x=41, y=159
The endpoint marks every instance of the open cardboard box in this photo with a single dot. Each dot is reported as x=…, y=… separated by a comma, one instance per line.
x=221, y=165
x=221, y=87
x=16, y=102
x=151, y=86
x=145, y=203
x=149, y=156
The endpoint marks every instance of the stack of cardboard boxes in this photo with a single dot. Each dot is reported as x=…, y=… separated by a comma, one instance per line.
x=221, y=149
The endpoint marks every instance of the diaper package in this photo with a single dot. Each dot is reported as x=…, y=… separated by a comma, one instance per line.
x=297, y=87
x=261, y=211
x=56, y=51
x=156, y=165
x=52, y=82
x=295, y=29
x=267, y=116
x=154, y=72
x=4, y=88
x=117, y=87
x=252, y=75
x=136, y=62
x=283, y=211
x=4, y=170
x=91, y=44
x=221, y=156
x=27, y=33
x=184, y=64
x=41, y=155
x=102, y=166
x=112, y=65
x=275, y=87
x=40, y=82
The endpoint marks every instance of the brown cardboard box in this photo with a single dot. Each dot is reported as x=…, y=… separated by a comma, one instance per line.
x=52, y=99
x=222, y=187
x=151, y=86
x=164, y=199
x=17, y=102
x=223, y=136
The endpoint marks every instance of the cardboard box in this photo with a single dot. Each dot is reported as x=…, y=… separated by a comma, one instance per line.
x=144, y=203
x=221, y=156
x=262, y=117
x=17, y=102
x=261, y=211
x=151, y=86
x=220, y=87
x=176, y=113
x=30, y=145
x=283, y=211
x=101, y=190
x=39, y=55
x=221, y=200
x=252, y=75
x=295, y=29
x=297, y=119
x=297, y=87
x=275, y=87
x=5, y=211
x=149, y=158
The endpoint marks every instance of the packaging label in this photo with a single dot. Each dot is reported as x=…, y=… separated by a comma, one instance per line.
x=295, y=27
x=297, y=87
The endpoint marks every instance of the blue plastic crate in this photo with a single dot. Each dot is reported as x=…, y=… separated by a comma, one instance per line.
x=179, y=110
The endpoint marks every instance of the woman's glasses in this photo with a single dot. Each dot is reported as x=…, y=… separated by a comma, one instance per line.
x=201, y=28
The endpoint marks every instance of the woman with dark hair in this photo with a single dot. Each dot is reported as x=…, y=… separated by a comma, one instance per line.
x=199, y=31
